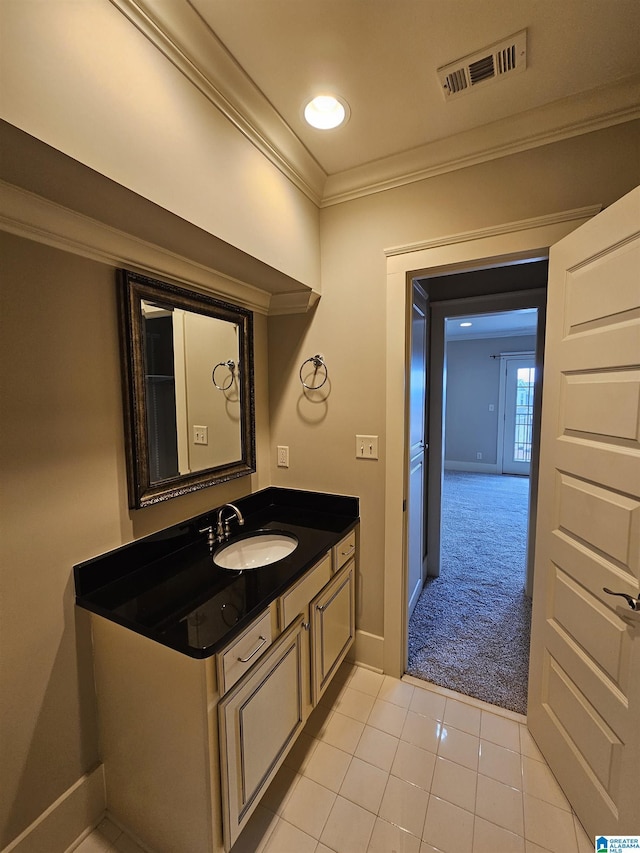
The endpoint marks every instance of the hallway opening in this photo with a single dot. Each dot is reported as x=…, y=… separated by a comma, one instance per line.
x=480, y=429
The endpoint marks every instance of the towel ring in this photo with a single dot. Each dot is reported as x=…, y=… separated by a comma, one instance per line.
x=232, y=366
x=318, y=362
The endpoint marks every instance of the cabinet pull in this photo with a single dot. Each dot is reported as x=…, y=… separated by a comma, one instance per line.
x=349, y=552
x=255, y=651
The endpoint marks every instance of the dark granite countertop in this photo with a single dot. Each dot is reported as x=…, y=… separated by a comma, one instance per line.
x=167, y=587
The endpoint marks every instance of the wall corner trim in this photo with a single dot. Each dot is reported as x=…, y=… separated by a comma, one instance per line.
x=75, y=812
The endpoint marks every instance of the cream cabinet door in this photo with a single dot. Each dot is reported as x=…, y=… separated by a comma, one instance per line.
x=333, y=628
x=584, y=680
x=259, y=720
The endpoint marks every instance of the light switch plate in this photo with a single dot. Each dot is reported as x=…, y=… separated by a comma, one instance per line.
x=366, y=447
x=201, y=435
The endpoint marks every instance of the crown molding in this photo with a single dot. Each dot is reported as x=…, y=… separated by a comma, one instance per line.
x=181, y=35
x=28, y=215
x=563, y=119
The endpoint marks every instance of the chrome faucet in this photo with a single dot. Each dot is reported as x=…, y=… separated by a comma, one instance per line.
x=222, y=527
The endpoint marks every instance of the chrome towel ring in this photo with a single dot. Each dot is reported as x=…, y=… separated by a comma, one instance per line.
x=232, y=367
x=318, y=363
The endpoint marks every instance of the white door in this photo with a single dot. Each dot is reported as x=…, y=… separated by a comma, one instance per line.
x=584, y=680
x=517, y=438
x=417, y=447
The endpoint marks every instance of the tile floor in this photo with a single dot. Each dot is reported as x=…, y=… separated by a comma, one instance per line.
x=389, y=766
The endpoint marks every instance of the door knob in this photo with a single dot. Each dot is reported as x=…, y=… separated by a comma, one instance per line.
x=634, y=603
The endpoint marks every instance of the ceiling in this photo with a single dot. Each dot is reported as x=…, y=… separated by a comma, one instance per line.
x=266, y=58
x=500, y=325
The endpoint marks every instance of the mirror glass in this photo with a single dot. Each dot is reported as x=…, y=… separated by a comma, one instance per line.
x=188, y=379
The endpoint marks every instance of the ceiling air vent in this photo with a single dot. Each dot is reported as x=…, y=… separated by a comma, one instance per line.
x=508, y=56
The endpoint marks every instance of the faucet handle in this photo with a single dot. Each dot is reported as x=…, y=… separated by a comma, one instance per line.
x=211, y=536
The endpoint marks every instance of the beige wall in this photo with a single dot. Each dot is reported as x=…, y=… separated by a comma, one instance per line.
x=64, y=500
x=87, y=82
x=349, y=324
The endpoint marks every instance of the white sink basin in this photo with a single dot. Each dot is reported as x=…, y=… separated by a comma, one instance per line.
x=255, y=550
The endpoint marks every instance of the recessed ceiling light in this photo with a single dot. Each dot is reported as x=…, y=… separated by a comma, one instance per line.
x=464, y=325
x=325, y=112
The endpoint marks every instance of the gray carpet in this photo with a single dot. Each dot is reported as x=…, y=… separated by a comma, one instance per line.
x=470, y=628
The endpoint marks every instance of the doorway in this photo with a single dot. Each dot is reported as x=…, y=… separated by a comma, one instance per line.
x=508, y=242
x=470, y=628
x=492, y=295
x=505, y=244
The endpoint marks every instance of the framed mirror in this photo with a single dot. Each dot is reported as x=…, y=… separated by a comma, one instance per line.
x=188, y=389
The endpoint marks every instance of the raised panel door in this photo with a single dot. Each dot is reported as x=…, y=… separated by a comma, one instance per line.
x=584, y=681
x=332, y=627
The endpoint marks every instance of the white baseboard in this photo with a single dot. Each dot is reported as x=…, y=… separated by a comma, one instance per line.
x=471, y=467
x=65, y=821
x=368, y=651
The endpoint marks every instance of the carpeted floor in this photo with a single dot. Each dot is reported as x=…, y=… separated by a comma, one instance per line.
x=470, y=628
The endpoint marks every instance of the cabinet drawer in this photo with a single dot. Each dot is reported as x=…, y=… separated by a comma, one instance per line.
x=244, y=651
x=259, y=721
x=344, y=550
x=296, y=599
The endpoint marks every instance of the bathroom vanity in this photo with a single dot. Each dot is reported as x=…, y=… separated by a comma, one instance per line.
x=205, y=676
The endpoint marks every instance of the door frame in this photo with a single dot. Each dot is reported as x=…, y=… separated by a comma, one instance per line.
x=489, y=247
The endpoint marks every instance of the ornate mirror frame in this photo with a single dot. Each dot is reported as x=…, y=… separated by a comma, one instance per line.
x=133, y=288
